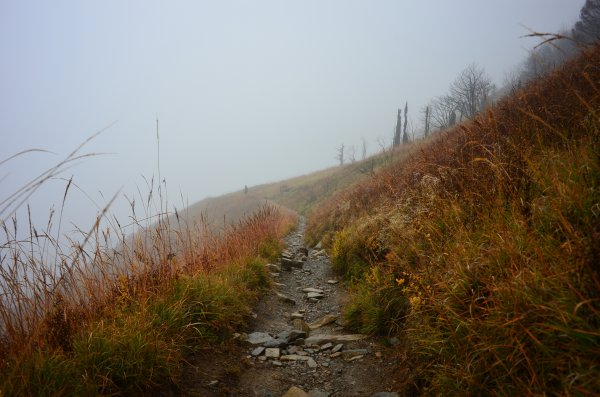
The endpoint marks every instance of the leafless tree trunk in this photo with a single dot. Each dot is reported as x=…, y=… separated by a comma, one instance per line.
x=364, y=148
x=340, y=155
x=398, y=133
x=405, y=138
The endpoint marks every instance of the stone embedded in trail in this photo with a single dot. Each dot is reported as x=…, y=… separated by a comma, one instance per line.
x=297, y=315
x=327, y=319
x=316, y=290
x=257, y=351
x=321, y=339
x=295, y=392
x=356, y=352
x=258, y=338
x=294, y=357
x=319, y=245
x=285, y=298
x=337, y=348
x=354, y=358
x=326, y=346
x=288, y=264
x=332, y=282
x=275, y=343
x=272, y=352
x=311, y=363
x=315, y=295
x=301, y=325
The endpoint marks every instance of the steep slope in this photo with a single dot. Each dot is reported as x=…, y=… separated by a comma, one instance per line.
x=481, y=250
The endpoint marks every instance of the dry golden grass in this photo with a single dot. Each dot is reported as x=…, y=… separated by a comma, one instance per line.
x=482, y=249
x=112, y=313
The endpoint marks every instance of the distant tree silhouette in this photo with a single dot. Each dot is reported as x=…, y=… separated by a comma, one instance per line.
x=398, y=132
x=471, y=90
x=340, y=154
x=405, y=138
x=587, y=29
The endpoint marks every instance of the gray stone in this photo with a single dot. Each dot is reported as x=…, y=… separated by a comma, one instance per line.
x=295, y=334
x=311, y=363
x=257, y=351
x=332, y=282
x=313, y=300
x=315, y=295
x=285, y=298
x=385, y=394
x=319, y=245
x=394, y=341
x=272, y=352
x=276, y=363
x=258, y=338
x=317, y=290
x=294, y=357
x=327, y=346
x=289, y=264
x=337, y=348
x=321, y=339
x=275, y=343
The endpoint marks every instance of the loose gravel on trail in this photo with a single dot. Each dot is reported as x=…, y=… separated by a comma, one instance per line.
x=297, y=343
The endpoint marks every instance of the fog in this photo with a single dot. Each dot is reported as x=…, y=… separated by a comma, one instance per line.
x=245, y=92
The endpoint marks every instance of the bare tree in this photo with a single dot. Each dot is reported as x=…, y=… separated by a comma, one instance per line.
x=426, y=111
x=352, y=154
x=405, y=138
x=398, y=132
x=364, y=148
x=471, y=90
x=340, y=154
x=443, y=112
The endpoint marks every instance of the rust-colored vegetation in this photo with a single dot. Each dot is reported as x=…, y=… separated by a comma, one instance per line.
x=116, y=314
x=482, y=249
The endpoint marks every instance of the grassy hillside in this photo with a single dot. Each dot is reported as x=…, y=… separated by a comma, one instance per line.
x=481, y=250
x=93, y=320
x=304, y=192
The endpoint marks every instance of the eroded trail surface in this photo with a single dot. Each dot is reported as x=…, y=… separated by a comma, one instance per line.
x=297, y=345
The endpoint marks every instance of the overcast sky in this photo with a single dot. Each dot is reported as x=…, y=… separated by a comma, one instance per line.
x=246, y=92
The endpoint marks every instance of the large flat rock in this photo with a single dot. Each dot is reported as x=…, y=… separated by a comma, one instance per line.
x=320, y=339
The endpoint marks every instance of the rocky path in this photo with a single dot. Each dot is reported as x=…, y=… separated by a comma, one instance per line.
x=297, y=345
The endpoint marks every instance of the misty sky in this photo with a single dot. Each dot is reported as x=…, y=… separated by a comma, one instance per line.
x=246, y=92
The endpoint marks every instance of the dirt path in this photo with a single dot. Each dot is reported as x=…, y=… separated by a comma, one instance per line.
x=285, y=347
